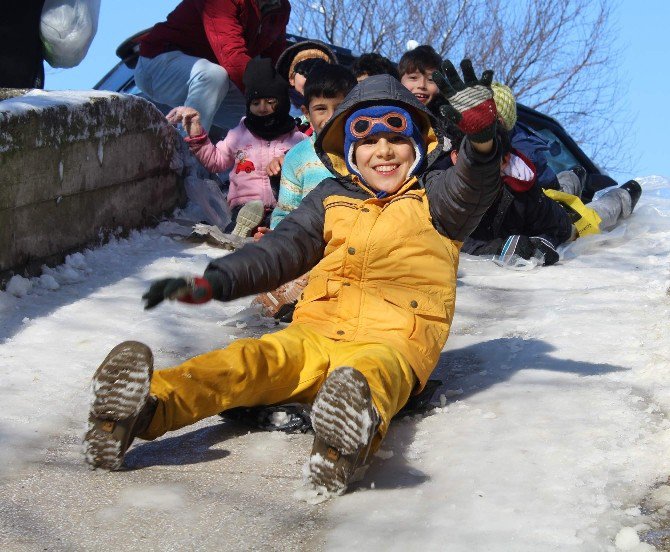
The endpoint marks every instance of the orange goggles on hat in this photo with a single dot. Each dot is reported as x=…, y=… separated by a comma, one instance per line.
x=364, y=125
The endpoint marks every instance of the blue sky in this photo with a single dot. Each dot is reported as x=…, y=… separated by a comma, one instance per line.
x=643, y=27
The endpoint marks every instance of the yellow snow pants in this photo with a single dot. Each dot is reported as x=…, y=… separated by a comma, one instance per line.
x=287, y=366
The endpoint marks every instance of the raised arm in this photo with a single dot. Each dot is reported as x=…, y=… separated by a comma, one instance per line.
x=460, y=196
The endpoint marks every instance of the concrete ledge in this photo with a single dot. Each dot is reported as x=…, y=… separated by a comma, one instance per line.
x=75, y=166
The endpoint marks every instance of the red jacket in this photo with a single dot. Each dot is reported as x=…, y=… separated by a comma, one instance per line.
x=227, y=32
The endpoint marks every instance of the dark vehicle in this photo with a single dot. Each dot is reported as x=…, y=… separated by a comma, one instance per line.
x=563, y=154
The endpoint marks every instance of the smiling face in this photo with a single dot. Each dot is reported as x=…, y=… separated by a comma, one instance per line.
x=421, y=84
x=384, y=160
x=321, y=109
x=263, y=106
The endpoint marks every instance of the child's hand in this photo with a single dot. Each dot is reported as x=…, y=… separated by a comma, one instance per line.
x=260, y=232
x=194, y=290
x=274, y=167
x=471, y=104
x=189, y=119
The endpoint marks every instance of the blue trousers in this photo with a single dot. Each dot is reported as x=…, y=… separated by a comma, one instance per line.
x=174, y=78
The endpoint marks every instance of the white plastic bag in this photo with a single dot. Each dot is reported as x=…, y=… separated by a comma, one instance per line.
x=67, y=29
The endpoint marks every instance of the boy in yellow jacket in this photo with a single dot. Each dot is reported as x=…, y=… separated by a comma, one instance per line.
x=381, y=242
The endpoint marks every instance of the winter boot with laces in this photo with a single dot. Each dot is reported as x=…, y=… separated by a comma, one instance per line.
x=345, y=422
x=121, y=407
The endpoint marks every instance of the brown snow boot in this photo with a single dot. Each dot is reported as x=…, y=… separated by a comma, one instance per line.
x=121, y=407
x=345, y=422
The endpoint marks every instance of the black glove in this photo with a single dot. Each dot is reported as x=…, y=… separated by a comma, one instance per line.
x=517, y=245
x=545, y=247
x=527, y=247
x=492, y=247
x=470, y=104
x=194, y=290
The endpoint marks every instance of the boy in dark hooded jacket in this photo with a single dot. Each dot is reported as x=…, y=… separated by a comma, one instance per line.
x=381, y=242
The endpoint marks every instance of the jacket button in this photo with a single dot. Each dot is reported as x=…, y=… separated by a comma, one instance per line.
x=414, y=304
x=351, y=251
x=346, y=284
x=302, y=296
x=340, y=332
x=365, y=210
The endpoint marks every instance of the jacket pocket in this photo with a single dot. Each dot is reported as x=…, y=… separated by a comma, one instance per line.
x=426, y=315
x=317, y=288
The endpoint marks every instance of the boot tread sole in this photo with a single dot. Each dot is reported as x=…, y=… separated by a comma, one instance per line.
x=120, y=388
x=341, y=418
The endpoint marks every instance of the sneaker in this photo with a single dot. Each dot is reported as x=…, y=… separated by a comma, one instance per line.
x=249, y=217
x=121, y=407
x=635, y=191
x=344, y=422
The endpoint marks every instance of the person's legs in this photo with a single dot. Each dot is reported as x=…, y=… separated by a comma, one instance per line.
x=174, y=78
x=570, y=183
x=612, y=206
x=287, y=366
x=367, y=385
x=389, y=375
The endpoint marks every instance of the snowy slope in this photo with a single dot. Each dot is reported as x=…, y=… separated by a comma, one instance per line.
x=551, y=431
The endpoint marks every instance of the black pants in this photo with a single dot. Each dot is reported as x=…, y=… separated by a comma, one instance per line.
x=21, y=57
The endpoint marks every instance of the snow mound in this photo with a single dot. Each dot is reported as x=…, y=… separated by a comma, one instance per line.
x=18, y=286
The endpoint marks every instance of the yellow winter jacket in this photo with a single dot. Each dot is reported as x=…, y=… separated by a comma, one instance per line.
x=387, y=276
x=382, y=270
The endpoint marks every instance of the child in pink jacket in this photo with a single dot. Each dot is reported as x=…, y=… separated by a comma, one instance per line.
x=254, y=149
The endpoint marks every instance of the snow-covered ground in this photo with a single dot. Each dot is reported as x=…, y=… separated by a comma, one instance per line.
x=551, y=431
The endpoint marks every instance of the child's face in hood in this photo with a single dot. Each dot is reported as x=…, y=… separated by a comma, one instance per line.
x=263, y=106
x=384, y=160
x=421, y=85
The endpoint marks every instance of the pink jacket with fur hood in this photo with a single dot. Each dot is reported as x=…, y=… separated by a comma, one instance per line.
x=249, y=156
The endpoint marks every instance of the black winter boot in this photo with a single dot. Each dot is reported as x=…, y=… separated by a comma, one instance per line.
x=345, y=422
x=635, y=191
x=122, y=407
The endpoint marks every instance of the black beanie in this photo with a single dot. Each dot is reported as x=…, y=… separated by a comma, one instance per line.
x=261, y=80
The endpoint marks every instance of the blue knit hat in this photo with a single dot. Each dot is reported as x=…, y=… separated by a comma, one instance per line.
x=381, y=118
